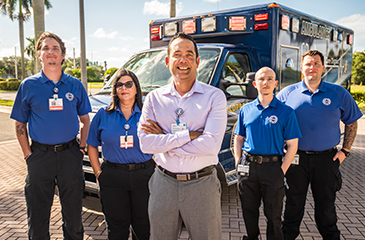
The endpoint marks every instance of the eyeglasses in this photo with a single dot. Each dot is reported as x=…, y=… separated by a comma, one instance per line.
x=128, y=84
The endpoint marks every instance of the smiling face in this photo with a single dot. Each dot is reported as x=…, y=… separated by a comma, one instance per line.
x=50, y=53
x=126, y=95
x=312, y=68
x=265, y=81
x=182, y=60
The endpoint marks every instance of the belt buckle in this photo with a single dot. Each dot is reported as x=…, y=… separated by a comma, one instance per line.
x=131, y=167
x=259, y=159
x=56, y=147
x=183, y=177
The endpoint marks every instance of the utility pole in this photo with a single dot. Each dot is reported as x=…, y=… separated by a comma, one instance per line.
x=74, y=60
x=83, y=46
x=16, y=66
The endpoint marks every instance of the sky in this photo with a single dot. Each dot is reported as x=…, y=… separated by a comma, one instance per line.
x=115, y=29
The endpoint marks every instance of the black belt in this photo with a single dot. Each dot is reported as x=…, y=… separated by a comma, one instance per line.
x=263, y=158
x=130, y=166
x=189, y=176
x=320, y=152
x=56, y=148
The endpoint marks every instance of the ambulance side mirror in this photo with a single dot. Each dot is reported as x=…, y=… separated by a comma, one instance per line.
x=232, y=91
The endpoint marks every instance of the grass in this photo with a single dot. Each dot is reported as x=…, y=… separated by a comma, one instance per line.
x=357, y=88
x=6, y=103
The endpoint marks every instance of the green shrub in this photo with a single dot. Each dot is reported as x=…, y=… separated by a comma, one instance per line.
x=9, y=85
x=12, y=79
x=358, y=96
x=2, y=79
x=95, y=80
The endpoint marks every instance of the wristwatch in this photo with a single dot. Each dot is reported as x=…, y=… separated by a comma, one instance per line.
x=347, y=153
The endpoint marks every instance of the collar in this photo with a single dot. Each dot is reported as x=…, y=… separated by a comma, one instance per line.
x=44, y=79
x=322, y=87
x=136, y=109
x=170, y=89
x=272, y=104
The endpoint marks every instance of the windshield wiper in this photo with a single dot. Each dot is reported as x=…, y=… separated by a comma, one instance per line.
x=151, y=86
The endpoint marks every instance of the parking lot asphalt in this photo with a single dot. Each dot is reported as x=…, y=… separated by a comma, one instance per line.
x=350, y=201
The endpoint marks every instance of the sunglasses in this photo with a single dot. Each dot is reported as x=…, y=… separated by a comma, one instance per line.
x=128, y=84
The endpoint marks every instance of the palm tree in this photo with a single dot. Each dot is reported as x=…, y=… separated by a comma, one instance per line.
x=39, y=26
x=8, y=7
x=30, y=51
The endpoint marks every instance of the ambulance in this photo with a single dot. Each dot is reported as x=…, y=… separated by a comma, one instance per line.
x=233, y=44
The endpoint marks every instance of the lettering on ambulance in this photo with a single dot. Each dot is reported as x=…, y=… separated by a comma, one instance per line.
x=315, y=30
x=234, y=107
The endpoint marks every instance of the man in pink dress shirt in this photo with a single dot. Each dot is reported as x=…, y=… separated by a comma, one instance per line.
x=183, y=124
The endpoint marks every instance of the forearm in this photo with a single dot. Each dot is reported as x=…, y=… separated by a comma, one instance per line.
x=350, y=135
x=22, y=136
x=84, y=129
x=237, y=147
x=292, y=147
x=93, y=154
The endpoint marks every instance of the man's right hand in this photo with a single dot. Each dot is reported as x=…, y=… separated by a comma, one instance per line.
x=195, y=134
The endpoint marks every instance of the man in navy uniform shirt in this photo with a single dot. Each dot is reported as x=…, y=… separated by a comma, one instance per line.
x=52, y=102
x=263, y=126
x=319, y=106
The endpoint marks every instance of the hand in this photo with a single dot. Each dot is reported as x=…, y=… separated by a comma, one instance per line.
x=340, y=156
x=152, y=128
x=82, y=149
x=195, y=134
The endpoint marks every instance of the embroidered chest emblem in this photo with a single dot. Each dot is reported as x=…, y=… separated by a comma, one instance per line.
x=326, y=101
x=273, y=119
x=69, y=96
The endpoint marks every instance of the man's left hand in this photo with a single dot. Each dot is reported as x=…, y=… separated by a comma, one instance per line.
x=340, y=156
x=152, y=128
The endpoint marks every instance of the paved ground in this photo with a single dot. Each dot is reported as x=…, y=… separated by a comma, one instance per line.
x=350, y=201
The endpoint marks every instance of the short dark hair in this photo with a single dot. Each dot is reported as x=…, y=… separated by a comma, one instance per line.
x=312, y=53
x=115, y=100
x=51, y=35
x=184, y=36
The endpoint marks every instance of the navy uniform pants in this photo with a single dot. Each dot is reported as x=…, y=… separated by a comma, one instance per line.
x=46, y=169
x=124, y=197
x=324, y=176
x=266, y=182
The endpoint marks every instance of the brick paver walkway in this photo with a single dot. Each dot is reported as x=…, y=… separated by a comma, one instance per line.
x=350, y=201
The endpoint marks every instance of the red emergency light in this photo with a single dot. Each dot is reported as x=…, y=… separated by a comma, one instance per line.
x=261, y=17
x=237, y=23
x=155, y=33
x=262, y=26
x=189, y=26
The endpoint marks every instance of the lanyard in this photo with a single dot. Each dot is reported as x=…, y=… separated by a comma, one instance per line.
x=179, y=112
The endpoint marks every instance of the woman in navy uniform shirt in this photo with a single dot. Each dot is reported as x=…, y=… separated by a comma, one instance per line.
x=123, y=176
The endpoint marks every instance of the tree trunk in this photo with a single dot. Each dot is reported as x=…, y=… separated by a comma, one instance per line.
x=39, y=28
x=83, y=46
x=172, y=8
x=21, y=39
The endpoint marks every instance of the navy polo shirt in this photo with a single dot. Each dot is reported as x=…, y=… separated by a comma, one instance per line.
x=106, y=130
x=319, y=113
x=32, y=105
x=265, y=129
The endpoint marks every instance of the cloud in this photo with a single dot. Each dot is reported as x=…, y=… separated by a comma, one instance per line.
x=161, y=9
x=356, y=23
x=212, y=1
x=100, y=33
x=127, y=38
x=119, y=49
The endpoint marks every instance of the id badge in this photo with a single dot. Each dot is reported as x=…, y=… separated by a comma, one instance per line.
x=55, y=104
x=295, y=160
x=128, y=143
x=175, y=127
